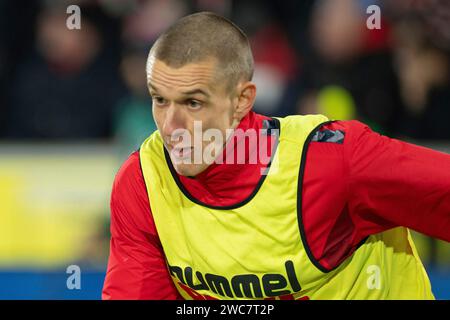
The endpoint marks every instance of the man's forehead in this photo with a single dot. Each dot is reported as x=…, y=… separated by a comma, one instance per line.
x=203, y=72
x=187, y=91
x=204, y=69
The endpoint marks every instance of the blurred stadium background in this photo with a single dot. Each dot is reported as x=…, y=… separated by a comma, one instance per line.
x=74, y=104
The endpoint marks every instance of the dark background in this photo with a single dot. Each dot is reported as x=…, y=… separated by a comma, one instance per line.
x=77, y=99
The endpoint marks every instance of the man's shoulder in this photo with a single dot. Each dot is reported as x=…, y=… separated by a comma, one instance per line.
x=129, y=177
x=344, y=124
x=131, y=162
x=130, y=206
x=340, y=131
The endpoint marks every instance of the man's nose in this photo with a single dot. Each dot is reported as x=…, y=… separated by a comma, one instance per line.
x=172, y=121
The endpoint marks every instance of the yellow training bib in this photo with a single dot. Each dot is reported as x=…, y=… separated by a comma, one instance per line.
x=255, y=250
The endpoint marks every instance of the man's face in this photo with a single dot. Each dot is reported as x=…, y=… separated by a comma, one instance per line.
x=184, y=95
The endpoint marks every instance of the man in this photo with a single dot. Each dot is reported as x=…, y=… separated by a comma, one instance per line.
x=325, y=217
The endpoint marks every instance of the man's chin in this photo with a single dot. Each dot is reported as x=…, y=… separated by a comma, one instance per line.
x=189, y=170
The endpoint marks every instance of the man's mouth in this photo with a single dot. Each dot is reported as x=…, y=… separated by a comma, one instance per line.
x=181, y=153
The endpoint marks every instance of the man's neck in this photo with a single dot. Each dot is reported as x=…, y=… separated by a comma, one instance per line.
x=234, y=178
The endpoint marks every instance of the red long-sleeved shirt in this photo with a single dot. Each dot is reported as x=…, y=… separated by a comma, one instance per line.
x=365, y=185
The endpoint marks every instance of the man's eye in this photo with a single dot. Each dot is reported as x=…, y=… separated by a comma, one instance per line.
x=159, y=100
x=194, y=104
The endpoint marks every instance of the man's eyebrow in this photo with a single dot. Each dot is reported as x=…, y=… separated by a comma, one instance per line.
x=196, y=91
x=153, y=88
x=187, y=93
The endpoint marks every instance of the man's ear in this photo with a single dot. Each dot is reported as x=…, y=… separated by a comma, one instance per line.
x=245, y=99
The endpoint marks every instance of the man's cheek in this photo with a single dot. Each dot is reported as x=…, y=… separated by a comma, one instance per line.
x=159, y=118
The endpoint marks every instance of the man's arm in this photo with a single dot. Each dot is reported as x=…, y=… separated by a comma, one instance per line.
x=396, y=183
x=136, y=267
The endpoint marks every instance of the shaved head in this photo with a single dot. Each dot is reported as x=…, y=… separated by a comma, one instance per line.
x=202, y=36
